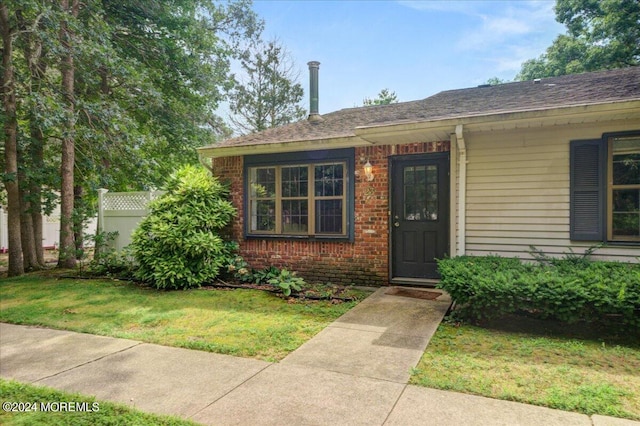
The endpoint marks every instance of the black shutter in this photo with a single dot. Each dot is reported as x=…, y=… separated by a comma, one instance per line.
x=588, y=167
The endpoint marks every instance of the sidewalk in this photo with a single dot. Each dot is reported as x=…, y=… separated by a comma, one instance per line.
x=353, y=372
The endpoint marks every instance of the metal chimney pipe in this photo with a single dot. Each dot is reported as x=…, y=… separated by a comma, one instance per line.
x=314, y=114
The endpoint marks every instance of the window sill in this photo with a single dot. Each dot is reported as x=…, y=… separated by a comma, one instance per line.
x=622, y=244
x=324, y=238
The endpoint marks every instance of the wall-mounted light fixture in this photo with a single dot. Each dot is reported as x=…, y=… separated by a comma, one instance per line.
x=368, y=171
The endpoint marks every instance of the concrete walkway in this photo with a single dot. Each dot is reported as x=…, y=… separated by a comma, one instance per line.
x=353, y=372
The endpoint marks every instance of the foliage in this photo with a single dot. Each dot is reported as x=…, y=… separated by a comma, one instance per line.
x=570, y=260
x=601, y=35
x=494, y=81
x=113, y=264
x=178, y=246
x=240, y=270
x=385, y=97
x=106, y=261
x=270, y=95
x=282, y=279
x=567, y=289
x=264, y=276
x=143, y=82
x=287, y=282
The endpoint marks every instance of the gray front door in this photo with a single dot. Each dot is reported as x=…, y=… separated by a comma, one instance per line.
x=419, y=214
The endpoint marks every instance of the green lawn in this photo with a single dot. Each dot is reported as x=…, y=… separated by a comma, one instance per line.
x=246, y=323
x=552, y=369
x=588, y=373
x=44, y=409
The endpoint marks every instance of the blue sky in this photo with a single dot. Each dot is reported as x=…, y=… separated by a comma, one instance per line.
x=414, y=48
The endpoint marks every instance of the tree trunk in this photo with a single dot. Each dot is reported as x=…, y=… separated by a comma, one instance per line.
x=37, y=162
x=29, y=256
x=78, y=220
x=34, y=56
x=67, y=255
x=7, y=88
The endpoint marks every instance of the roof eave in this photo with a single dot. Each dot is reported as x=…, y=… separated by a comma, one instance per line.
x=277, y=147
x=586, y=113
x=439, y=129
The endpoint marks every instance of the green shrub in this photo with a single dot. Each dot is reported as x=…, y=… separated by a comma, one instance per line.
x=239, y=269
x=106, y=261
x=282, y=279
x=565, y=289
x=287, y=281
x=263, y=276
x=178, y=246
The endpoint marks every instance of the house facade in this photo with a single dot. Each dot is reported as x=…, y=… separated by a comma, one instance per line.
x=374, y=195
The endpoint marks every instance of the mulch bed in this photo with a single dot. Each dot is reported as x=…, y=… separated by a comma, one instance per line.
x=333, y=293
x=311, y=294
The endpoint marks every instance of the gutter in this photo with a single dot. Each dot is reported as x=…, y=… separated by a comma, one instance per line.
x=388, y=133
x=462, y=191
x=584, y=113
x=202, y=160
x=279, y=147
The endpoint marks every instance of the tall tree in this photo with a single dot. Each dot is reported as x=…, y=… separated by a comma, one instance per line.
x=385, y=97
x=67, y=253
x=10, y=177
x=601, y=34
x=131, y=86
x=31, y=20
x=270, y=94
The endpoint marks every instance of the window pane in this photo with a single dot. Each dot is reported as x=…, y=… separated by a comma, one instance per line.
x=295, y=216
x=420, y=175
x=295, y=181
x=626, y=162
x=263, y=182
x=263, y=215
x=329, y=180
x=329, y=217
x=421, y=193
x=432, y=174
x=409, y=175
x=626, y=213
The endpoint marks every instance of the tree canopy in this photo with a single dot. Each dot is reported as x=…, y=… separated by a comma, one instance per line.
x=601, y=34
x=385, y=97
x=270, y=93
x=108, y=93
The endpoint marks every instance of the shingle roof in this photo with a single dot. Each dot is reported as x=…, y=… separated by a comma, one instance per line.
x=556, y=92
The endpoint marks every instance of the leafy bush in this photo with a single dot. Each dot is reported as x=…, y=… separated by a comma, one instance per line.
x=265, y=275
x=287, y=281
x=565, y=289
x=178, y=246
x=282, y=279
x=106, y=261
x=240, y=270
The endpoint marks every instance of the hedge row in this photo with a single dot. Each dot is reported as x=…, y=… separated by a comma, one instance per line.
x=566, y=290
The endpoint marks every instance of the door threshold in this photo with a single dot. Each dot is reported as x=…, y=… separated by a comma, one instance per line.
x=423, y=282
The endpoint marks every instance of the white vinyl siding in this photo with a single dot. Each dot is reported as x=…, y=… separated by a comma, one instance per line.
x=518, y=193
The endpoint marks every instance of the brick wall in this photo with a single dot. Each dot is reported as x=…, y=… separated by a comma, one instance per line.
x=363, y=262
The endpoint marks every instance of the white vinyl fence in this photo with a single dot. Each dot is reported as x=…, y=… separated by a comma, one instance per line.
x=50, y=230
x=120, y=212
